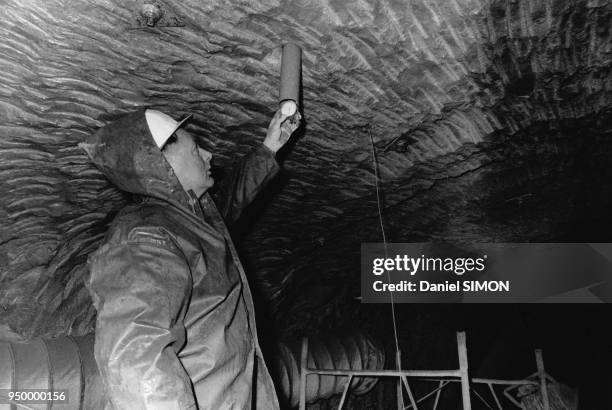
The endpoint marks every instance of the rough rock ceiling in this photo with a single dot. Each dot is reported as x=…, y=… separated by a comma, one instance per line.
x=491, y=121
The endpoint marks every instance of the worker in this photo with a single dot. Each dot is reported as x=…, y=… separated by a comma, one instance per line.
x=175, y=324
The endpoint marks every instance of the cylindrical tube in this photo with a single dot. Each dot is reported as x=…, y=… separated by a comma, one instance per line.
x=353, y=351
x=291, y=64
x=65, y=363
x=68, y=363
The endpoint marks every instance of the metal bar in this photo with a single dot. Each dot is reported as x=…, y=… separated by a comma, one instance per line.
x=463, y=369
x=505, y=382
x=303, y=373
x=512, y=400
x=542, y=375
x=435, y=406
x=484, y=381
x=399, y=395
x=495, y=396
x=344, y=393
x=399, y=392
x=482, y=399
x=548, y=376
x=410, y=396
x=389, y=373
x=436, y=390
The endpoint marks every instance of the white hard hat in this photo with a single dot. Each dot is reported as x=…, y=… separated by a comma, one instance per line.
x=162, y=126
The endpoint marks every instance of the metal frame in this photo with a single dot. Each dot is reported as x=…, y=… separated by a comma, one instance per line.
x=458, y=375
x=442, y=377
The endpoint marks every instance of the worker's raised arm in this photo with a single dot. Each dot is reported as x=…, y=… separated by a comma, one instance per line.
x=253, y=171
x=141, y=288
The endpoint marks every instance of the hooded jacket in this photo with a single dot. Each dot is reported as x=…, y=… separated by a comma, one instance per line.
x=175, y=326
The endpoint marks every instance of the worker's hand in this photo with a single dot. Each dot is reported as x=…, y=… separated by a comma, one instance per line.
x=280, y=129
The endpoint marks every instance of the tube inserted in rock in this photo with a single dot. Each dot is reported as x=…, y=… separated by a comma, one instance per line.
x=291, y=64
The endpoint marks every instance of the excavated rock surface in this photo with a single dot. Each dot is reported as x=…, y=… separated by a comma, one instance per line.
x=490, y=120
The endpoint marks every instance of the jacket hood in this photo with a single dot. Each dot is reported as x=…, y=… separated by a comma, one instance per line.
x=126, y=153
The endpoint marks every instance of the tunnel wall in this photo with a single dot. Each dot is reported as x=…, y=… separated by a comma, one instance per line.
x=461, y=98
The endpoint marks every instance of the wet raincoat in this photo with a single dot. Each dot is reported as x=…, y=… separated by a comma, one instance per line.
x=175, y=326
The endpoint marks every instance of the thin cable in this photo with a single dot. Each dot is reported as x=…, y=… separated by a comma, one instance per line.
x=382, y=229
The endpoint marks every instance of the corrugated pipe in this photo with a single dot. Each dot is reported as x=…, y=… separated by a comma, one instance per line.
x=67, y=363
x=351, y=352
x=64, y=363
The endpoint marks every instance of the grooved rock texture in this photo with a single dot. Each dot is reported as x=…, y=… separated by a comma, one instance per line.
x=490, y=121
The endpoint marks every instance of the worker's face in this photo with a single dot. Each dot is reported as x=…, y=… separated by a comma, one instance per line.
x=190, y=163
